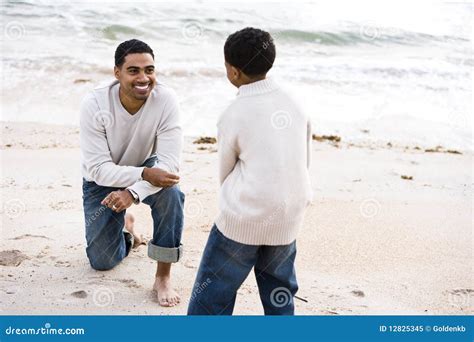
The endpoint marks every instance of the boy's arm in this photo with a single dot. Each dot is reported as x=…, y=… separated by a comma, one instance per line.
x=227, y=151
x=169, y=141
x=95, y=150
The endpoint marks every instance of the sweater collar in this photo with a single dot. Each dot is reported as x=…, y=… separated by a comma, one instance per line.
x=256, y=88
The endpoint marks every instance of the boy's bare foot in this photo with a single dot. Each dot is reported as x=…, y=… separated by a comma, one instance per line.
x=129, y=226
x=165, y=294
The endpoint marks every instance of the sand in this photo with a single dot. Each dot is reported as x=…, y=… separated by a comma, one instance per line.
x=374, y=241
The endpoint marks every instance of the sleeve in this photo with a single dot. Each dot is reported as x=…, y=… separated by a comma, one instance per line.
x=95, y=151
x=227, y=146
x=169, y=142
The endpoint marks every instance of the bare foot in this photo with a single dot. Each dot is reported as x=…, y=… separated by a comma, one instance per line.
x=165, y=294
x=129, y=226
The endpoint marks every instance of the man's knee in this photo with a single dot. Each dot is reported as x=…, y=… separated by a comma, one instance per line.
x=100, y=260
x=173, y=193
x=101, y=266
x=170, y=196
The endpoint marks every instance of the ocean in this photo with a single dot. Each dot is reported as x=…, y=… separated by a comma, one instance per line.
x=378, y=72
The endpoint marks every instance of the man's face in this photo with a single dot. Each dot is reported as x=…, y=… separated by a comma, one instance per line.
x=137, y=76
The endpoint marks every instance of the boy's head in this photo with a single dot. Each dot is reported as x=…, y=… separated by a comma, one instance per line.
x=249, y=54
x=135, y=69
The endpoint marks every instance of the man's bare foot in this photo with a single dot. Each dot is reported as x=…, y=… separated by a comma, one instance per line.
x=165, y=294
x=129, y=226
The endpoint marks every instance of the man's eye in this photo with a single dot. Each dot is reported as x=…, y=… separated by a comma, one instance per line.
x=133, y=71
x=150, y=71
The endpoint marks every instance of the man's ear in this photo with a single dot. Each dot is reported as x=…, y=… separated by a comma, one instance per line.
x=116, y=72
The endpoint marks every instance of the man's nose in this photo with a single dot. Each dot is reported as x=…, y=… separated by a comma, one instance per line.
x=142, y=77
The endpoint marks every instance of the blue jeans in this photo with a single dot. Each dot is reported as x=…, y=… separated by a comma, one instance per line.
x=225, y=265
x=107, y=242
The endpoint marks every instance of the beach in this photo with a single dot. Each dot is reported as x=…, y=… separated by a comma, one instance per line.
x=389, y=231
x=387, y=87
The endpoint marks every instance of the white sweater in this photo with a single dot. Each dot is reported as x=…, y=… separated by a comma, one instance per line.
x=264, y=143
x=114, y=143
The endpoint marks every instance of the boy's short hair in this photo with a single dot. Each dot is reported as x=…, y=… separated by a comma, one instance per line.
x=251, y=50
x=129, y=47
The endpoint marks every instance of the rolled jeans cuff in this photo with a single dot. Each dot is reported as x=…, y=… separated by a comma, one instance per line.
x=165, y=254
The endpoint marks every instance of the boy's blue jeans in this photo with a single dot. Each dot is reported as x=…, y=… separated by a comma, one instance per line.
x=225, y=265
x=107, y=242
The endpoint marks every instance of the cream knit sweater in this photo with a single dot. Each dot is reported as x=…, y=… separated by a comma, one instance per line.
x=114, y=144
x=264, y=143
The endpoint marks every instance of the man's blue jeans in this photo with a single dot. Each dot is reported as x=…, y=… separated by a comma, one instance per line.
x=107, y=242
x=225, y=265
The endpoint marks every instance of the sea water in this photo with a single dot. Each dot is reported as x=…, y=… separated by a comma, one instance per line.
x=385, y=71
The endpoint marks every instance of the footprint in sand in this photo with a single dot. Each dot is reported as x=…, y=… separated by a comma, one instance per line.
x=79, y=294
x=128, y=282
x=358, y=293
x=190, y=264
x=461, y=291
x=12, y=258
x=26, y=236
x=60, y=263
x=62, y=205
x=43, y=252
x=460, y=297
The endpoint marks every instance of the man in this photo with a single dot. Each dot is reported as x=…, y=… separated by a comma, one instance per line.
x=131, y=144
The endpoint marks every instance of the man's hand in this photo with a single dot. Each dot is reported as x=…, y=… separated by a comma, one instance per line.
x=159, y=177
x=118, y=200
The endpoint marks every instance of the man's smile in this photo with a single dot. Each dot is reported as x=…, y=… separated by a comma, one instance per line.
x=142, y=88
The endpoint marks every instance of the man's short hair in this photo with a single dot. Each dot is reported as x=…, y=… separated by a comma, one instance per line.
x=251, y=50
x=129, y=47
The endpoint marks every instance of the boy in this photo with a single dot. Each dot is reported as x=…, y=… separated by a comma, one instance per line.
x=264, y=155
